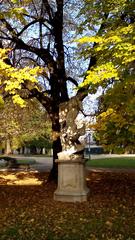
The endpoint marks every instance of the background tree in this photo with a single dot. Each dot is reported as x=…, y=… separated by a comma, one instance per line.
x=38, y=144
x=114, y=50
x=21, y=125
x=115, y=128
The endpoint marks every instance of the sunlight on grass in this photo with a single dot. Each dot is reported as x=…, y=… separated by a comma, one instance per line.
x=94, y=177
x=31, y=213
x=19, y=179
x=121, y=162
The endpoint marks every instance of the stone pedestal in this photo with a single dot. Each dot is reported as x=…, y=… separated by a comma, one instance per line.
x=71, y=181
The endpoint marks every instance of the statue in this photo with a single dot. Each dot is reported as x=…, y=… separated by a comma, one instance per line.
x=71, y=146
x=71, y=163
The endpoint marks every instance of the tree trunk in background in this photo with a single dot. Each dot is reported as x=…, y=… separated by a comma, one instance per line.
x=8, y=149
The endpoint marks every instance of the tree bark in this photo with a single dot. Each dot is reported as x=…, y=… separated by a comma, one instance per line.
x=57, y=147
x=8, y=149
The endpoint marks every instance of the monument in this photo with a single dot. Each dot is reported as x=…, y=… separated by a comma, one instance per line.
x=71, y=164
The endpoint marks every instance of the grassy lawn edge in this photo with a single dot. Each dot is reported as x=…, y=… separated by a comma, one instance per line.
x=124, y=162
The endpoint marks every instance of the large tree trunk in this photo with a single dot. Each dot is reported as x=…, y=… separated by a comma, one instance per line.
x=56, y=146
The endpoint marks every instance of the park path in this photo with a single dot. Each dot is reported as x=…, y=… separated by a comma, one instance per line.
x=44, y=164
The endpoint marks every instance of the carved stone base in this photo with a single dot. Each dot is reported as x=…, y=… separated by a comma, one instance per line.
x=71, y=181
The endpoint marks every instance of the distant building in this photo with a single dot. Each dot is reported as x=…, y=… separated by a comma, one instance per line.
x=93, y=149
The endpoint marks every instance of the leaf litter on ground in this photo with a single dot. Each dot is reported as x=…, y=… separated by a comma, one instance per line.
x=28, y=211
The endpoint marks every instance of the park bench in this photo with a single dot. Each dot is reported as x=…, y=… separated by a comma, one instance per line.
x=11, y=163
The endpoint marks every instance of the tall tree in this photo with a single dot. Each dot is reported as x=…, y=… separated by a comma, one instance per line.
x=114, y=72
x=38, y=33
x=35, y=31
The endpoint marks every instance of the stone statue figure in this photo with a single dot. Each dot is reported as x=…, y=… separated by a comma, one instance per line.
x=72, y=148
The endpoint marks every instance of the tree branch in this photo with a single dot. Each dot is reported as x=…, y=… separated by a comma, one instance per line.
x=42, y=98
x=9, y=27
x=40, y=20
x=27, y=26
x=44, y=54
x=35, y=7
x=73, y=81
x=48, y=9
x=5, y=38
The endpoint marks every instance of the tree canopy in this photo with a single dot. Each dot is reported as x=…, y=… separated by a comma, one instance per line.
x=114, y=50
x=40, y=34
x=20, y=126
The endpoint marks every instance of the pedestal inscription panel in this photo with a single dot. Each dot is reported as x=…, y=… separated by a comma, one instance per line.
x=71, y=181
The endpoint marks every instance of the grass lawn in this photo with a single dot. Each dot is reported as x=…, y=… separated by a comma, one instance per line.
x=28, y=211
x=124, y=162
x=26, y=161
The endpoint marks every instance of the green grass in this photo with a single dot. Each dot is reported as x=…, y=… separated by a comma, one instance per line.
x=26, y=161
x=124, y=162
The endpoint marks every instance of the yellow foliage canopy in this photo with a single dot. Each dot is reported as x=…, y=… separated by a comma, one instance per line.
x=115, y=51
x=12, y=78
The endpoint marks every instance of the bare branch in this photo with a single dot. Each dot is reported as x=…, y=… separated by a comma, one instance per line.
x=48, y=9
x=44, y=54
x=29, y=16
x=73, y=81
x=42, y=98
x=9, y=27
x=5, y=38
x=40, y=35
x=4, y=33
x=35, y=7
x=27, y=26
